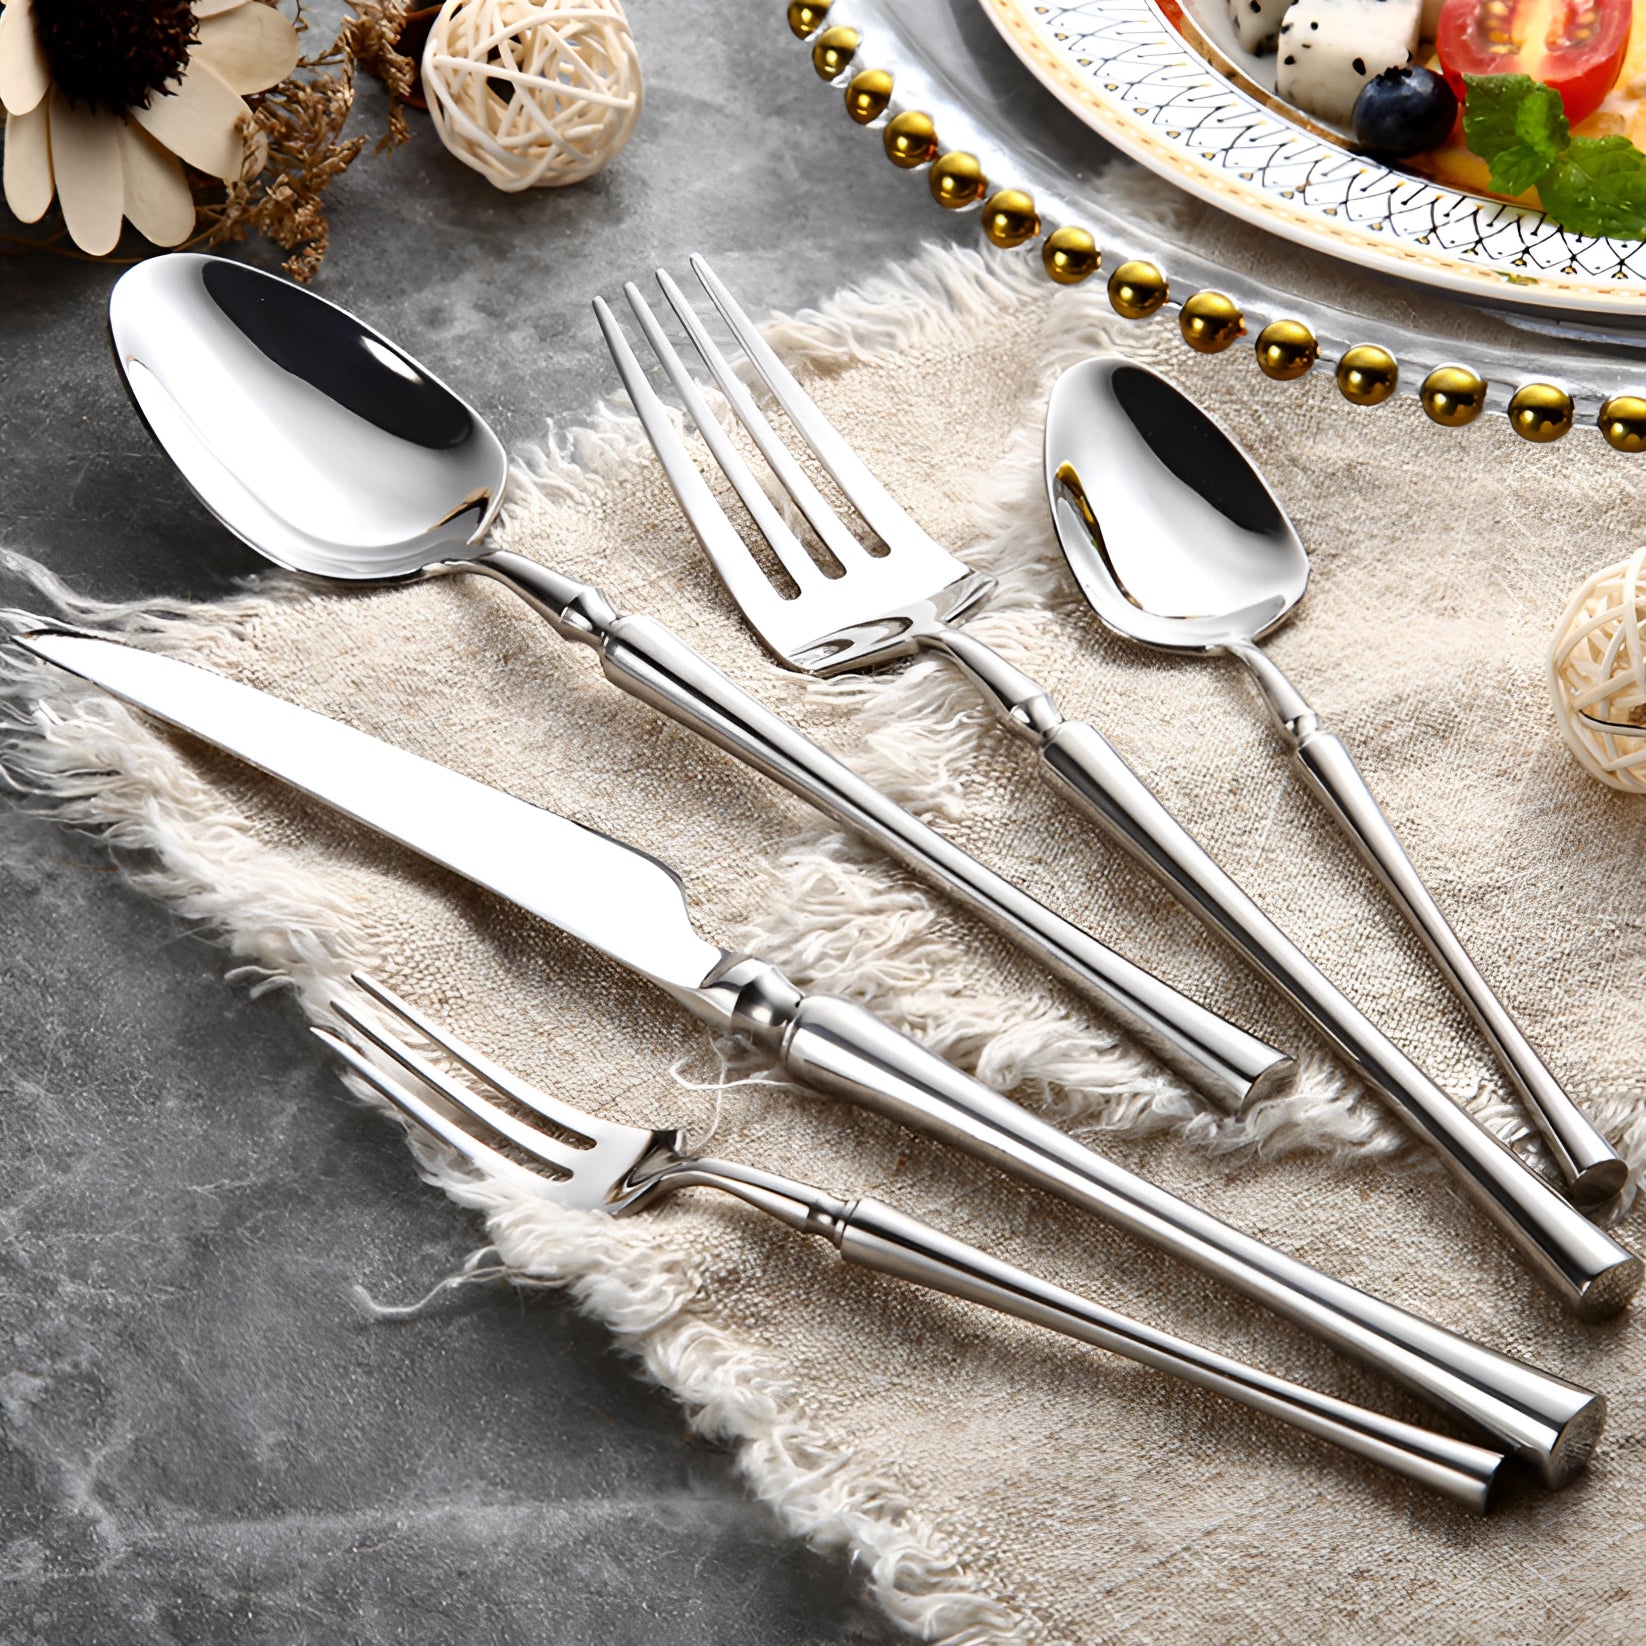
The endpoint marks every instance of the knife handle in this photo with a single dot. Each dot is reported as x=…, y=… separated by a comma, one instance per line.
x=648, y=661
x=838, y=1048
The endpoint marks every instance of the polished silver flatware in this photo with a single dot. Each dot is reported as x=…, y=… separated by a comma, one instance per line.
x=633, y=909
x=328, y=449
x=1177, y=542
x=873, y=610
x=600, y=1165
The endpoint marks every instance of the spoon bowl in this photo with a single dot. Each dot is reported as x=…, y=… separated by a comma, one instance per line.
x=1170, y=531
x=1177, y=542
x=313, y=438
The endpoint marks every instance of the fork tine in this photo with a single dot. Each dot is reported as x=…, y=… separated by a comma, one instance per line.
x=885, y=516
x=739, y=570
x=477, y=1063
x=785, y=545
x=550, y=1151
x=796, y=482
x=478, y=1154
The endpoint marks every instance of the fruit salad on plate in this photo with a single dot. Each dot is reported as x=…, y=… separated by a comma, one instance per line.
x=1542, y=101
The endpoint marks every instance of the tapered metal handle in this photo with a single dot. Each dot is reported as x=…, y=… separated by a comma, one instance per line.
x=1586, y=1268
x=879, y=1237
x=647, y=661
x=1593, y=1169
x=841, y=1049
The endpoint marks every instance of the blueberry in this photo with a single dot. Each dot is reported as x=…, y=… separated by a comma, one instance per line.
x=1404, y=111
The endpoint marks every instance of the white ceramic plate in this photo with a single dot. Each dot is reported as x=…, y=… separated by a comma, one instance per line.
x=1128, y=69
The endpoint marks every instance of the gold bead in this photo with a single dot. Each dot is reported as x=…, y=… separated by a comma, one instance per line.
x=1137, y=290
x=1210, y=322
x=957, y=180
x=806, y=16
x=1367, y=375
x=910, y=139
x=1540, y=412
x=834, y=50
x=1286, y=349
x=1070, y=255
x=867, y=95
x=1623, y=423
x=1453, y=396
x=1009, y=218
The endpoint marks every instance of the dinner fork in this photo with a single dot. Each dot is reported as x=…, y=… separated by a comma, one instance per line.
x=601, y=1165
x=881, y=607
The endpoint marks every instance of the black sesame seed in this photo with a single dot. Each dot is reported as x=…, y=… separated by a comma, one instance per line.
x=1359, y=65
x=1290, y=61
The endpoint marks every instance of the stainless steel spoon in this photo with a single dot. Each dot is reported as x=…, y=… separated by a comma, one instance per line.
x=1177, y=542
x=327, y=448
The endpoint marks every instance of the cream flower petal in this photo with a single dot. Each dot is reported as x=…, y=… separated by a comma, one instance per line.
x=29, y=185
x=24, y=77
x=215, y=8
x=251, y=48
x=85, y=159
x=158, y=201
x=201, y=122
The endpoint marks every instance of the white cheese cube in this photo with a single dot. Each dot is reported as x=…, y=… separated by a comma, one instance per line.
x=1329, y=49
x=1257, y=22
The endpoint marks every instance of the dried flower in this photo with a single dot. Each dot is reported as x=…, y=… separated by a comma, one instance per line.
x=106, y=100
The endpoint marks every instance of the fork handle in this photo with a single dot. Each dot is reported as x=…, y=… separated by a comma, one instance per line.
x=879, y=1237
x=648, y=661
x=876, y=1236
x=1593, y=1169
x=838, y=1048
x=1587, y=1269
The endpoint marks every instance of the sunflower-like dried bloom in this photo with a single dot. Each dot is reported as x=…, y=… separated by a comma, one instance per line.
x=106, y=100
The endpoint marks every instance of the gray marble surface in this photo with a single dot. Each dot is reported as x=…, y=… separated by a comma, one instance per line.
x=203, y=1436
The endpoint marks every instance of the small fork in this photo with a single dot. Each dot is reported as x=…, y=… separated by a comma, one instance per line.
x=600, y=1165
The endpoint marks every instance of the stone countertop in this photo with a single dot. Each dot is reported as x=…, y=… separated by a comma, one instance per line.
x=203, y=1435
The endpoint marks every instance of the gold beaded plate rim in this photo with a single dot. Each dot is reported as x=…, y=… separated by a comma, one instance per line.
x=1121, y=67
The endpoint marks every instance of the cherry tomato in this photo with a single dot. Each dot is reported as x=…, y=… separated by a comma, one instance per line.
x=1575, y=46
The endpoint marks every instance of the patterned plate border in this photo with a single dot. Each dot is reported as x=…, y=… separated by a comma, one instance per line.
x=1122, y=68
x=1590, y=384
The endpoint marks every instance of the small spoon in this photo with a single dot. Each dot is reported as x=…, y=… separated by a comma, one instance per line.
x=1176, y=542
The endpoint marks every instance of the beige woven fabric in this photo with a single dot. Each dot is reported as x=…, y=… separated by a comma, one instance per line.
x=996, y=1482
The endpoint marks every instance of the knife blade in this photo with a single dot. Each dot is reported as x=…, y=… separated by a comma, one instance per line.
x=632, y=908
x=614, y=897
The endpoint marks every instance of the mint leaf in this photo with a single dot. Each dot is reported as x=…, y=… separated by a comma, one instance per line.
x=1598, y=187
x=1516, y=125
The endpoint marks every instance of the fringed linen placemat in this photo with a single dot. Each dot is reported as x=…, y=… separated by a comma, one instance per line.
x=996, y=1483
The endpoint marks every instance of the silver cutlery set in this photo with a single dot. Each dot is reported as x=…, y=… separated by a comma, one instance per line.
x=1176, y=543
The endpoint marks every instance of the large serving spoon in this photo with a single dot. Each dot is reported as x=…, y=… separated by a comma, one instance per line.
x=326, y=447
x=1177, y=542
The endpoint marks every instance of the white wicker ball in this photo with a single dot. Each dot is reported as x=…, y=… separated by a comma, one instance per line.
x=532, y=96
x=1597, y=666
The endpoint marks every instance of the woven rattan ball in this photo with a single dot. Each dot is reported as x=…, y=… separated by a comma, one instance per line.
x=532, y=96
x=1597, y=667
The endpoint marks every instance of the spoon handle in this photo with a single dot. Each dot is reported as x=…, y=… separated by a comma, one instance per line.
x=649, y=662
x=1584, y=1266
x=1592, y=1168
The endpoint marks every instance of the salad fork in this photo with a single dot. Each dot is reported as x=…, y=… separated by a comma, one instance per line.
x=874, y=611
x=600, y=1165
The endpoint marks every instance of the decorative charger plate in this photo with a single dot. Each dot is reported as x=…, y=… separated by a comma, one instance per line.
x=1150, y=83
